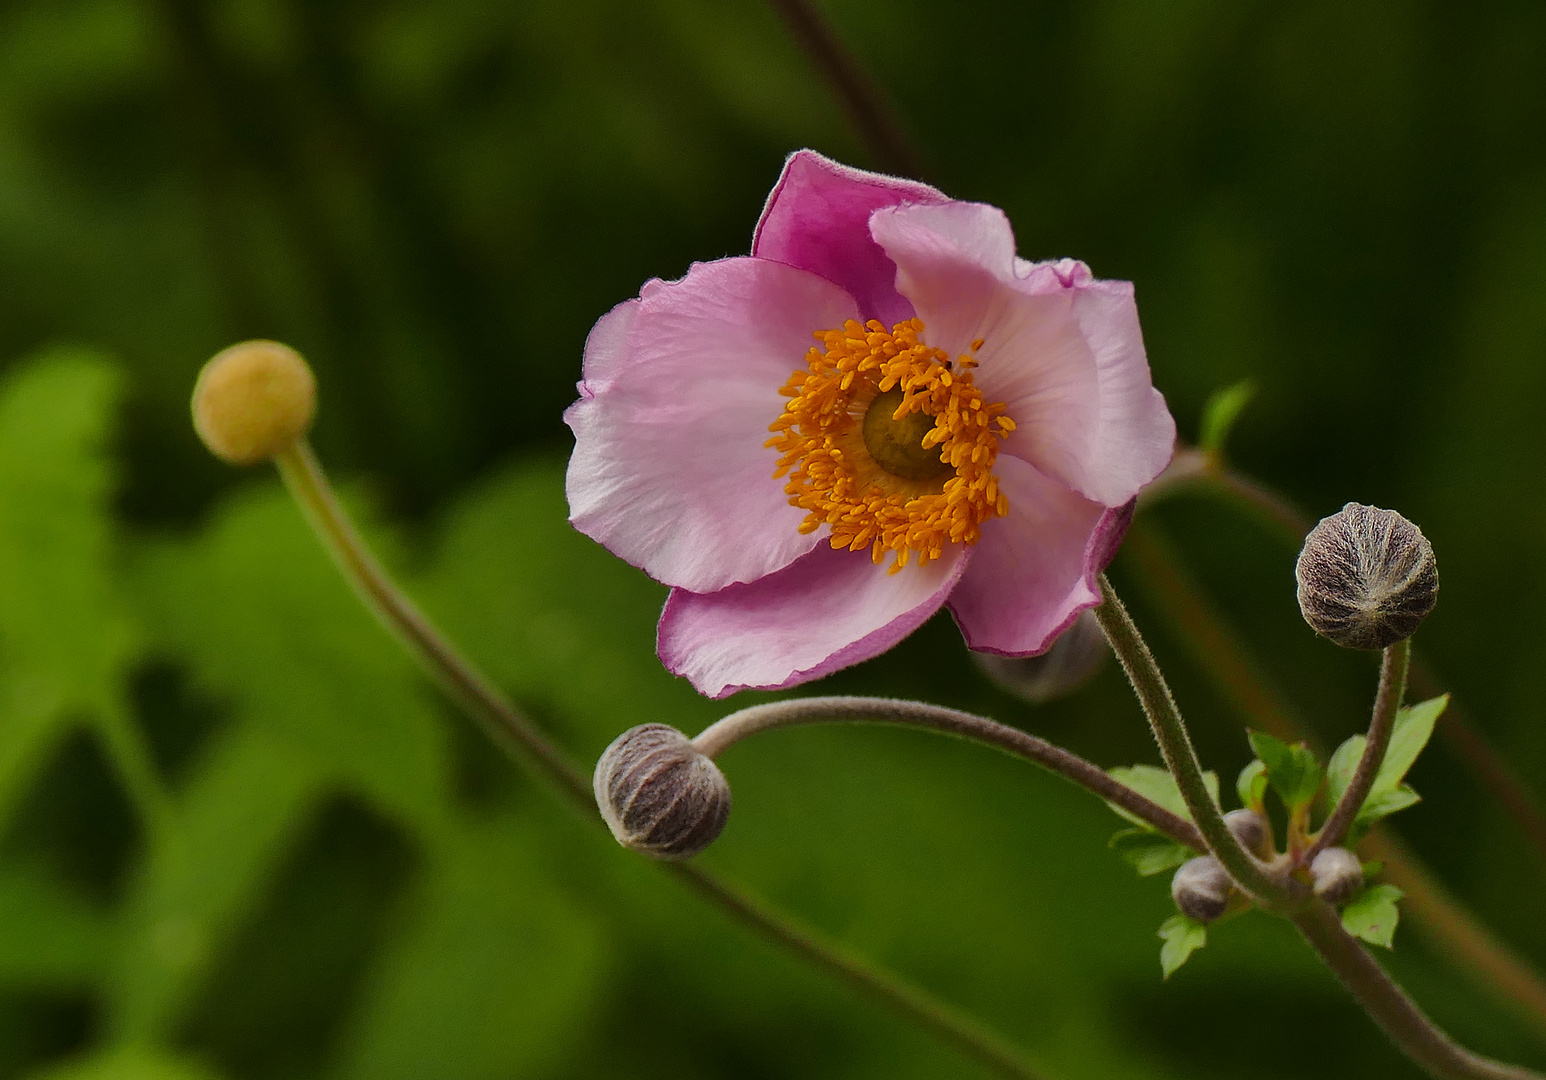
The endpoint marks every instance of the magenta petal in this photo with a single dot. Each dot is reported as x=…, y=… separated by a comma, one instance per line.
x=669, y=469
x=1034, y=570
x=1062, y=351
x=817, y=218
x=829, y=610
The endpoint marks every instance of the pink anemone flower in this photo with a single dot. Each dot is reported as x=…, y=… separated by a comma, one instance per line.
x=880, y=411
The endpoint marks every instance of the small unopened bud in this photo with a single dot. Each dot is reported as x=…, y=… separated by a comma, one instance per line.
x=1337, y=875
x=1072, y=661
x=253, y=400
x=1367, y=577
x=1250, y=829
x=1201, y=888
x=659, y=794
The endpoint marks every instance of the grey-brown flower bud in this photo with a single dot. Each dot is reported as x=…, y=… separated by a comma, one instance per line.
x=1337, y=875
x=1367, y=577
x=659, y=794
x=1201, y=888
x=1250, y=829
x=1072, y=661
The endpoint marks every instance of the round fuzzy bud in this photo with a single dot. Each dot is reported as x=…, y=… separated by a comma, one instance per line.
x=1072, y=661
x=253, y=400
x=1201, y=888
x=659, y=794
x=1250, y=828
x=1367, y=577
x=1337, y=875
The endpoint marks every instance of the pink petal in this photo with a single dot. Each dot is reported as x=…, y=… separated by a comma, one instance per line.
x=817, y=218
x=829, y=610
x=669, y=469
x=1064, y=352
x=1035, y=569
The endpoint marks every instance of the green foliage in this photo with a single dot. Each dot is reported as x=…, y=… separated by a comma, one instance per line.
x=1159, y=786
x=1251, y=785
x=1413, y=728
x=1220, y=412
x=1372, y=914
x=1183, y=936
x=1293, y=771
x=1148, y=852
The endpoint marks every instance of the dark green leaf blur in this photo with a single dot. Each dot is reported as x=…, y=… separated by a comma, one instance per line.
x=242, y=839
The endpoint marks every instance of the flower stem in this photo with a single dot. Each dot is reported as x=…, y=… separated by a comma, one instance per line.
x=722, y=734
x=1223, y=656
x=1406, y=1024
x=513, y=732
x=1176, y=748
x=1387, y=702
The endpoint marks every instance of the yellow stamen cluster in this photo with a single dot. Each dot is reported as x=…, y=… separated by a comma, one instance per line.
x=833, y=474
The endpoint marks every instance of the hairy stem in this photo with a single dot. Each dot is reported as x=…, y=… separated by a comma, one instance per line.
x=1387, y=702
x=1176, y=747
x=512, y=731
x=1406, y=1024
x=1223, y=656
x=724, y=733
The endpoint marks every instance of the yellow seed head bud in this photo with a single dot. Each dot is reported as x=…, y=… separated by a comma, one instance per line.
x=253, y=400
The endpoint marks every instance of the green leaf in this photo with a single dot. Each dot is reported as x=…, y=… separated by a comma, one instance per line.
x=1148, y=852
x=1220, y=413
x=1340, y=770
x=1372, y=914
x=1293, y=770
x=1413, y=729
x=1381, y=806
x=1159, y=786
x=1183, y=936
x=1251, y=785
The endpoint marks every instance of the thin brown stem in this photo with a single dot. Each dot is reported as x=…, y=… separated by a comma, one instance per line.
x=1387, y=702
x=866, y=104
x=1406, y=1024
x=511, y=730
x=1176, y=748
x=1222, y=655
x=719, y=736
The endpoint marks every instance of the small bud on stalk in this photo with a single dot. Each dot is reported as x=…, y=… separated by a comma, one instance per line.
x=1070, y=663
x=1367, y=577
x=1250, y=829
x=1201, y=888
x=1337, y=875
x=659, y=794
x=253, y=401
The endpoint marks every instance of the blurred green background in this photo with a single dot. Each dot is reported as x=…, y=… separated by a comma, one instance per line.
x=240, y=837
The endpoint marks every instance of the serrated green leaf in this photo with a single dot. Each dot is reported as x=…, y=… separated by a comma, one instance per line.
x=1182, y=936
x=1159, y=786
x=1148, y=852
x=1220, y=413
x=1251, y=785
x=1293, y=771
x=1372, y=914
x=1413, y=728
x=1341, y=767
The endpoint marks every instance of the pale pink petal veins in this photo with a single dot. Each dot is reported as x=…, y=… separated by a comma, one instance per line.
x=827, y=611
x=817, y=218
x=1063, y=352
x=1036, y=569
x=669, y=469
x=606, y=346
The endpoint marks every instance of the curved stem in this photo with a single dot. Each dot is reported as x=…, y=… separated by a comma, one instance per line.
x=1222, y=655
x=1387, y=702
x=512, y=731
x=1406, y=1024
x=1176, y=748
x=724, y=733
